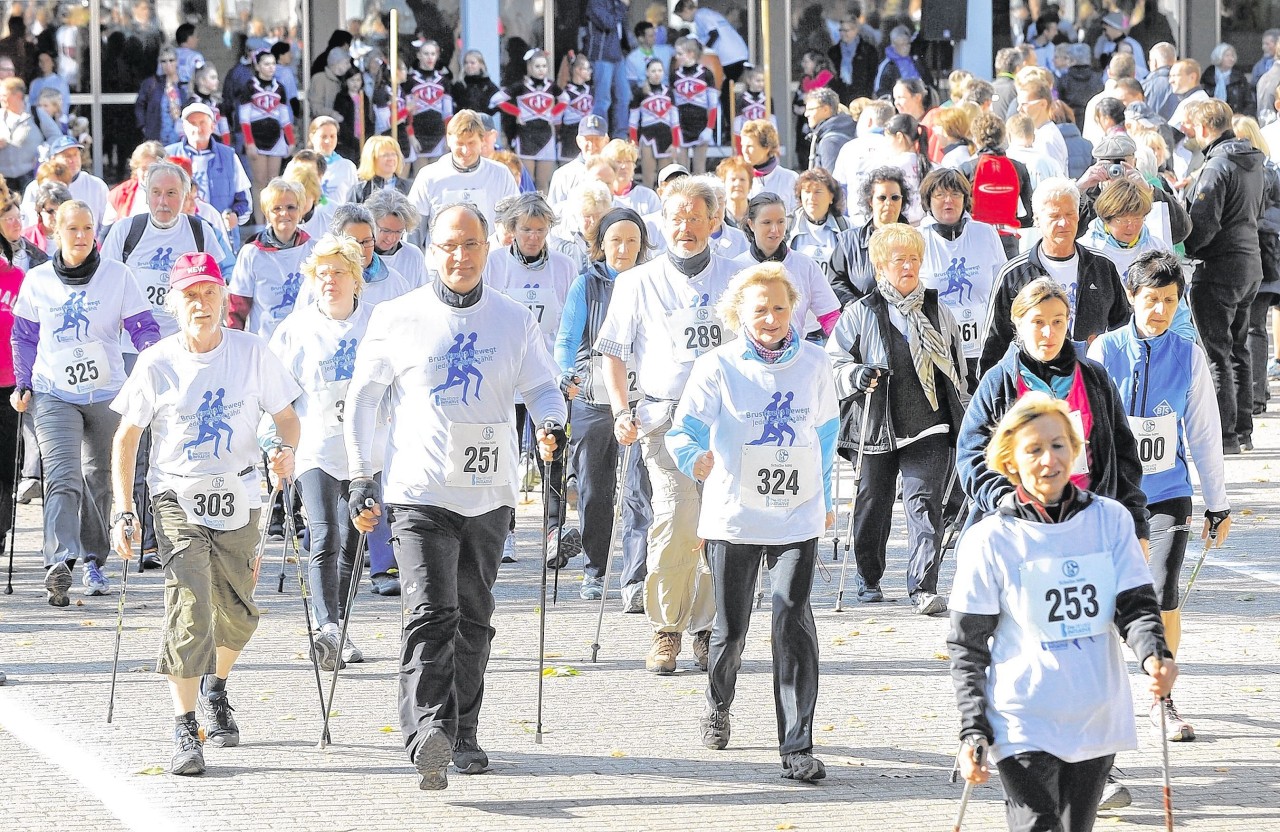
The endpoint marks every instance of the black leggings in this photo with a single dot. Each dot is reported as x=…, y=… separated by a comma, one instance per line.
x=1046, y=794
x=8, y=451
x=1170, y=530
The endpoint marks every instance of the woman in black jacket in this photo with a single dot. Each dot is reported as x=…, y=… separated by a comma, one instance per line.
x=475, y=89
x=1223, y=80
x=884, y=195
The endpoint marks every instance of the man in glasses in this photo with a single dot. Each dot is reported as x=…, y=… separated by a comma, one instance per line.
x=453, y=360
x=1035, y=100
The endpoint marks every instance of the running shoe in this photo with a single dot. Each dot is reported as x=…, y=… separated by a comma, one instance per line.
x=469, y=757
x=92, y=579
x=57, y=583
x=432, y=760
x=385, y=583
x=28, y=490
x=801, y=765
x=509, y=548
x=633, y=597
x=325, y=649
x=188, y=749
x=1114, y=795
x=350, y=653
x=216, y=708
x=562, y=546
x=927, y=603
x=1177, y=729
x=715, y=729
x=592, y=588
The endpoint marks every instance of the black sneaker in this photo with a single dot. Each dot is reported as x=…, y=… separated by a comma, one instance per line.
x=432, y=761
x=469, y=757
x=151, y=560
x=57, y=583
x=569, y=546
x=188, y=749
x=801, y=765
x=715, y=729
x=216, y=709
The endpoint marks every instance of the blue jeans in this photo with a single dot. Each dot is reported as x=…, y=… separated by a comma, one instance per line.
x=610, y=87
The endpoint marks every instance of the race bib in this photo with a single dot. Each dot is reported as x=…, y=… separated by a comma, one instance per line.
x=217, y=502
x=969, y=319
x=1157, y=438
x=1068, y=598
x=541, y=301
x=774, y=477
x=694, y=332
x=600, y=395
x=1081, y=465
x=81, y=368
x=477, y=456
x=331, y=400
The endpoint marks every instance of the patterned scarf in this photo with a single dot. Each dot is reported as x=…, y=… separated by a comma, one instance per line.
x=928, y=349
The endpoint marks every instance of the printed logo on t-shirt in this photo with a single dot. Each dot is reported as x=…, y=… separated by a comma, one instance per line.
x=460, y=363
x=210, y=420
x=342, y=364
x=74, y=315
x=776, y=419
x=958, y=280
x=288, y=295
x=161, y=261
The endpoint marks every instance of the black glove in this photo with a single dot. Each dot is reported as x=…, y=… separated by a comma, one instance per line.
x=1216, y=519
x=556, y=430
x=862, y=379
x=567, y=379
x=362, y=489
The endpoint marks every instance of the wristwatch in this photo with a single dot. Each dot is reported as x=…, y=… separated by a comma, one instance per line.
x=122, y=515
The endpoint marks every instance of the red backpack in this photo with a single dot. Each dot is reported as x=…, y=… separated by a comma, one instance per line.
x=996, y=191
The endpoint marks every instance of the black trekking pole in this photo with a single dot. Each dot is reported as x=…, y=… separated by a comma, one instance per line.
x=357, y=574
x=547, y=427
x=124, y=584
x=306, y=599
x=13, y=506
x=562, y=515
x=143, y=508
x=613, y=539
x=857, y=482
x=262, y=538
x=284, y=550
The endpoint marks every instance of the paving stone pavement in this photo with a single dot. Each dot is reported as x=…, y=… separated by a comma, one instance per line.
x=621, y=748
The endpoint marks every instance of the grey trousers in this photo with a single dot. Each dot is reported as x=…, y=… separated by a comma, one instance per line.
x=75, y=444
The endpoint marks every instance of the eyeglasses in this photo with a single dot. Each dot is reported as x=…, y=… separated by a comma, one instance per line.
x=888, y=197
x=469, y=247
x=326, y=273
x=392, y=231
x=365, y=243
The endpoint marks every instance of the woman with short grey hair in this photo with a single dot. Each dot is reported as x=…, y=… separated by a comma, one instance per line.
x=394, y=219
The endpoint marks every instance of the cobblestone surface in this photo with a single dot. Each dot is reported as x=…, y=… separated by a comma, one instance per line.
x=621, y=748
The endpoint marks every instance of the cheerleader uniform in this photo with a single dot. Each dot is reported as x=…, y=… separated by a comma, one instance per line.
x=536, y=109
x=697, y=99
x=266, y=120
x=578, y=102
x=750, y=106
x=655, y=121
x=404, y=124
x=432, y=104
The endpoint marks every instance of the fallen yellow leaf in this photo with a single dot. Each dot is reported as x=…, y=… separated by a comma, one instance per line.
x=387, y=729
x=151, y=770
x=617, y=752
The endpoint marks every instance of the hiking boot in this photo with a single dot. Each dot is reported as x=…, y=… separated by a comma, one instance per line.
x=662, y=655
x=325, y=649
x=715, y=729
x=592, y=588
x=28, y=490
x=562, y=546
x=469, y=757
x=386, y=584
x=1114, y=795
x=702, y=649
x=633, y=597
x=432, y=761
x=509, y=548
x=216, y=708
x=1177, y=729
x=57, y=583
x=188, y=749
x=801, y=765
x=927, y=603
x=92, y=579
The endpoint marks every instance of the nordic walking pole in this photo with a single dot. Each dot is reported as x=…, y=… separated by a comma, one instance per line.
x=306, y=611
x=13, y=506
x=1164, y=760
x=1209, y=540
x=547, y=427
x=562, y=515
x=760, y=583
x=857, y=481
x=357, y=574
x=613, y=539
x=284, y=550
x=262, y=538
x=124, y=584
x=979, y=752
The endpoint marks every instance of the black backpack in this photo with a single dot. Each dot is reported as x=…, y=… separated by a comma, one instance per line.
x=138, y=226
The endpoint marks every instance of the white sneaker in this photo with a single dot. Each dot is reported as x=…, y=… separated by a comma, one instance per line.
x=633, y=597
x=509, y=548
x=1177, y=729
x=350, y=653
x=28, y=490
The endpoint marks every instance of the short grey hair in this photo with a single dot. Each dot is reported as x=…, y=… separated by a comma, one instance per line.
x=1053, y=189
x=337, y=55
x=532, y=205
x=716, y=184
x=160, y=167
x=690, y=187
x=1219, y=52
x=1081, y=54
x=823, y=97
x=388, y=202
x=349, y=213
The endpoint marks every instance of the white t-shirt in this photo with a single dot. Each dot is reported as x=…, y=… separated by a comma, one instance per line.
x=1067, y=274
x=962, y=271
x=666, y=320
x=321, y=218
x=273, y=278
x=453, y=374
x=391, y=286
x=440, y=184
x=411, y=263
x=320, y=353
x=816, y=296
x=338, y=180
x=731, y=244
x=855, y=160
x=781, y=181
x=567, y=177
x=153, y=257
x=768, y=485
x=204, y=408
x=1049, y=139
x=78, y=355
x=1040, y=166
x=542, y=291
x=1069, y=697
x=640, y=199
x=729, y=45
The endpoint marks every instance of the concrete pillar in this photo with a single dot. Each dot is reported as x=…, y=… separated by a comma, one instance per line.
x=777, y=67
x=480, y=31
x=976, y=52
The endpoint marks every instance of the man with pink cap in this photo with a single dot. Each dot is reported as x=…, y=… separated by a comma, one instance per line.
x=202, y=392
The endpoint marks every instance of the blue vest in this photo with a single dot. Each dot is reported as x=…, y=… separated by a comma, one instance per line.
x=1154, y=379
x=222, y=177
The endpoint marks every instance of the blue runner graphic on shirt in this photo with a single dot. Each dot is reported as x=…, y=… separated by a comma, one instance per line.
x=345, y=360
x=161, y=261
x=288, y=295
x=777, y=421
x=461, y=360
x=74, y=314
x=210, y=424
x=958, y=281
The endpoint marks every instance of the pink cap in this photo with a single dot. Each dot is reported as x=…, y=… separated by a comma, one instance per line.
x=194, y=268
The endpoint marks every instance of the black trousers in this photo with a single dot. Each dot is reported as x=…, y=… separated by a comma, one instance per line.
x=1045, y=794
x=1170, y=530
x=734, y=569
x=8, y=451
x=1259, y=311
x=1221, y=314
x=924, y=464
x=448, y=564
x=529, y=442
x=593, y=452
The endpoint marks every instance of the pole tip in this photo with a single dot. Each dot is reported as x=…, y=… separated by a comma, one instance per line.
x=537, y=738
